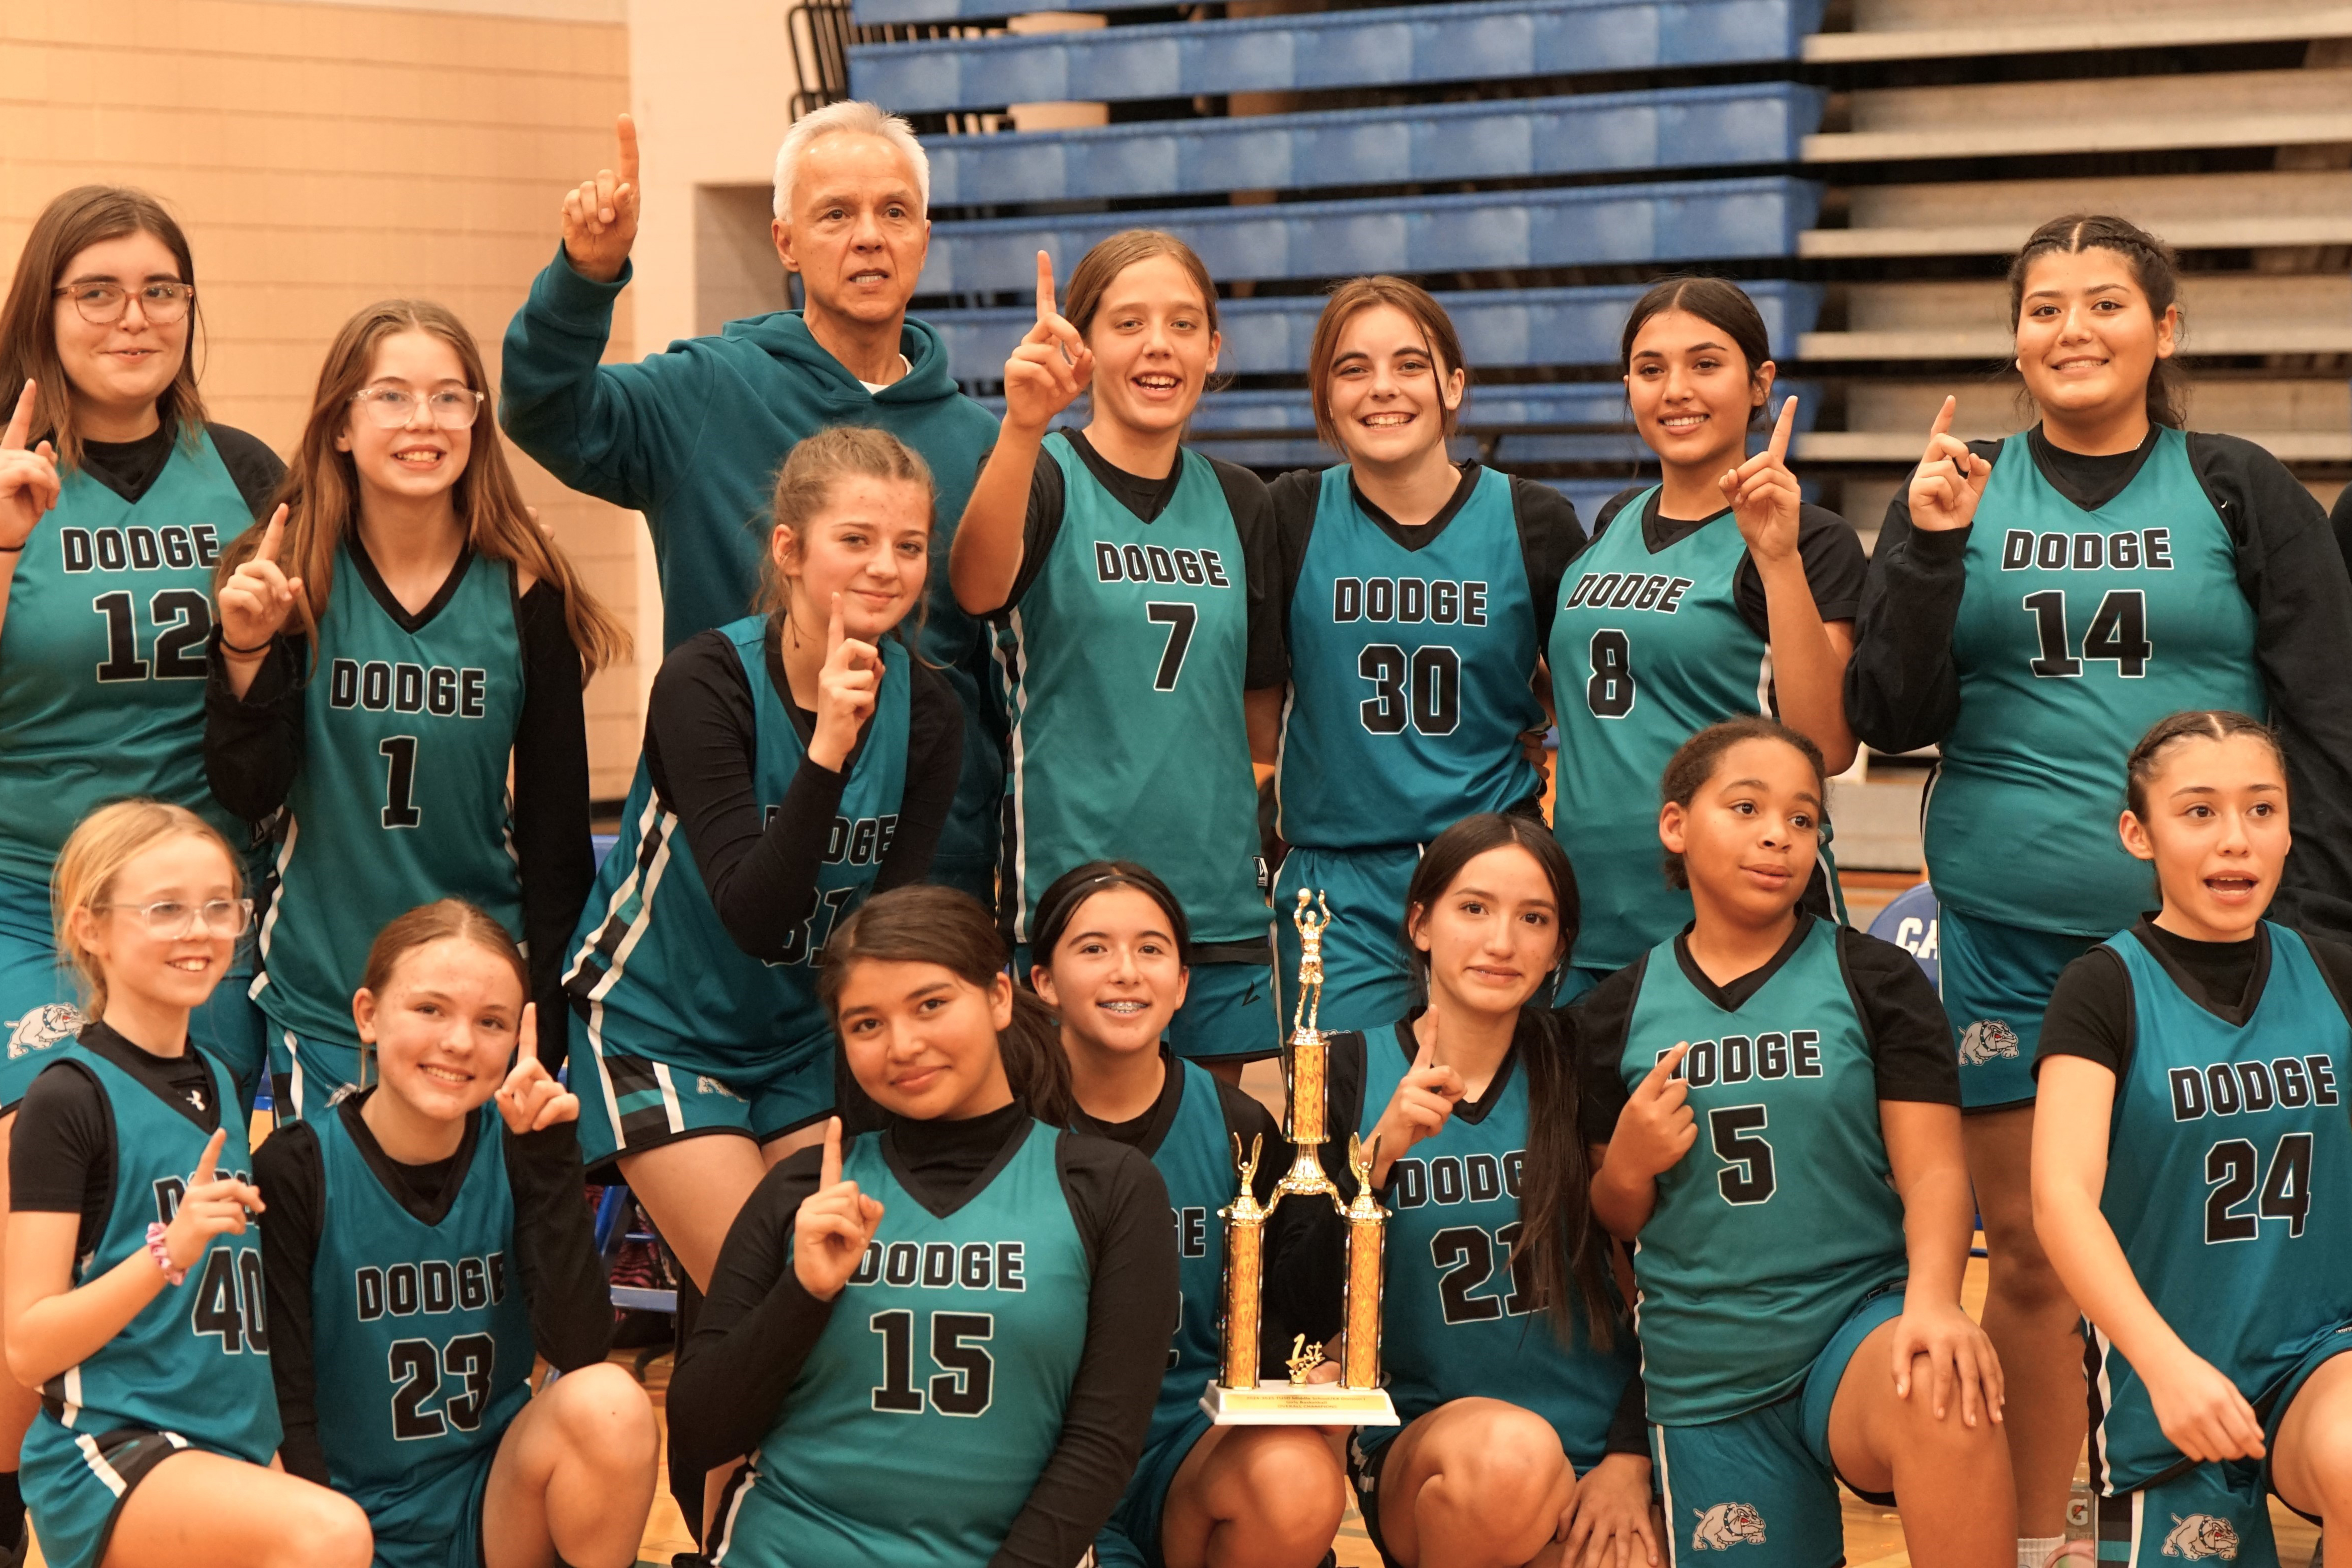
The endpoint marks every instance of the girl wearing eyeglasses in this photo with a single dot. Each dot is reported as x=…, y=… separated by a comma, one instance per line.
x=116, y=497
x=134, y=1292
x=398, y=632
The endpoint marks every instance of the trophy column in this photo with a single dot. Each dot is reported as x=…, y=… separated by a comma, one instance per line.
x=1239, y=1396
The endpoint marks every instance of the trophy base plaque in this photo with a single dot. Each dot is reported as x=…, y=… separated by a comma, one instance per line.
x=1278, y=1402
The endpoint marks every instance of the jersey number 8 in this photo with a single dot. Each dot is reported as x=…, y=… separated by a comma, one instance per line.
x=967, y=1384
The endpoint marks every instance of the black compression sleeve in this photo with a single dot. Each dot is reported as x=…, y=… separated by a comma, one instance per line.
x=1902, y=686
x=2090, y=1013
x=288, y=1170
x=1121, y=1207
x=1039, y=528
x=1252, y=510
x=1550, y=537
x=699, y=741
x=2292, y=573
x=252, y=466
x=555, y=1247
x=253, y=744
x=1836, y=569
x=61, y=1148
x=1294, y=498
x=1598, y=1021
x=2339, y=518
x=756, y=1329
x=934, y=765
x=556, y=865
x=1911, y=1045
x=1629, y=1428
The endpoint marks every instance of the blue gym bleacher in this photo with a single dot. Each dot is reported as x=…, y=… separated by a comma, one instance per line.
x=1534, y=162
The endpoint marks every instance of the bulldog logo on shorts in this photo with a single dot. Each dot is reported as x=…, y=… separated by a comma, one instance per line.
x=2203, y=1535
x=42, y=1027
x=1728, y=1524
x=1986, y=1038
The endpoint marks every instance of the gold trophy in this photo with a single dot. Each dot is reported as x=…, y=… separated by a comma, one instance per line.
x=1239, y=1396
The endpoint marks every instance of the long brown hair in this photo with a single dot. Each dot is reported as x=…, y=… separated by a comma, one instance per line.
x=925, y=924
x=1100, y=267
x=1717, y=301
x=72, y=223
x=1351, y=299
x=321, y=489
x=1567, y=1254
x=2153, y=267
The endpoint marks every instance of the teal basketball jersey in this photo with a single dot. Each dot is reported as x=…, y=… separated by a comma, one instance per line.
x=1411, y=674
x=2228, y=1186
x=1647, y=651
x=102, y=655
x=1196, y=1160
x=1122, y=668
x=1783, y=1216
x=402, y=795
x=2077, y=631
x=1462, y=1313
x=195, y=1361
x=654, y=971
x=933, y=1397
x=420, y=1336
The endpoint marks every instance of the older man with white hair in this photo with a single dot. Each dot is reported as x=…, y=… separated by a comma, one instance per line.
x=692, y=437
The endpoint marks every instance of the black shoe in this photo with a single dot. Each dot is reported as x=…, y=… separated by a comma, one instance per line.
x=689, y=1560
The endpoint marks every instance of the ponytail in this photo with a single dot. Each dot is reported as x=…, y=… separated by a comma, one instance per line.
x=2154, y=268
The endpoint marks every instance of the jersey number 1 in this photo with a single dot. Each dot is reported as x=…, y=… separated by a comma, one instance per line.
x=399, y=753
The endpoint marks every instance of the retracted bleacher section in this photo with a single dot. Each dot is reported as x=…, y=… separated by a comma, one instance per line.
x=1863, y=167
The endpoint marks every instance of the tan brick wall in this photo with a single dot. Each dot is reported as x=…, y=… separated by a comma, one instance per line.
x=323, y=156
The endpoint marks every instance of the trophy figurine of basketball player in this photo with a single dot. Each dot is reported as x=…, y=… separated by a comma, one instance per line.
x=1240, y=1397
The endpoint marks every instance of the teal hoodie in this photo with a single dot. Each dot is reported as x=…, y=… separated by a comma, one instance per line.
x=693, y=437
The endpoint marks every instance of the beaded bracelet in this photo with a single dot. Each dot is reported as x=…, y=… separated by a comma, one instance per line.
x=156, y=1231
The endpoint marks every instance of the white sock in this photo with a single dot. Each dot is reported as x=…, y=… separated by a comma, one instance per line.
x=2036, y=1551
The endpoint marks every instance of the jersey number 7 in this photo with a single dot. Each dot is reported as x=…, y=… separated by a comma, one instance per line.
x=1180, y=616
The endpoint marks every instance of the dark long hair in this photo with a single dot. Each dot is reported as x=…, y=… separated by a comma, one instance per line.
x=2193, y=724
x=941, y=926
x=1568, y=1253
x=1061, y=902
x=2153, y=268
x=73, y=221
x=1717, y=301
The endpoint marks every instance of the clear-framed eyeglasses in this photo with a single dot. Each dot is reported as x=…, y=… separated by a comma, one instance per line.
x=169, y=919
x=390, y=407
x=102, y=301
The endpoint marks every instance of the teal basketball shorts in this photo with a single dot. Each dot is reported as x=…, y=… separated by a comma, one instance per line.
x=1765, y=1480
x=1135, y=1522
x=1997, y=981
x=309, y=1072
x=438, y=1525
x=75, y=1484
x=1367, y=976
x=40, y=1004
x=636, y=1099
x=1228, y=1013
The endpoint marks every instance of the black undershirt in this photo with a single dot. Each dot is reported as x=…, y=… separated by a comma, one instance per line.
x=1549, y=534
x=1834, y=563
x=2340, y=519
x=759, y=1325
x=2091, y=1013
x=701, y=739
x=1902, y=686
x=1268, y=662
x=1911, y=1049
x=553, y=1248
x=254, y=747
x=61, y=1151
x=130, y=468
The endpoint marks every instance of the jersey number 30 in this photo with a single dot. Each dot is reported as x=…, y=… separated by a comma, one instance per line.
x=967, y=1382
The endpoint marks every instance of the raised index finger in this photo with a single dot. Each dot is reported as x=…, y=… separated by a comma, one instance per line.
x=828, y=1172
x=625, y=129
x=1656, y=1082
x=20, y=423
x=1943, y=423
x=1779, y=447
x=1045, y=287
x=836, y=633
x=272, y=535
x=212, y=1159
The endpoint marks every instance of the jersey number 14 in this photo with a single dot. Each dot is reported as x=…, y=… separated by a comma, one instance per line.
x=2117, y=634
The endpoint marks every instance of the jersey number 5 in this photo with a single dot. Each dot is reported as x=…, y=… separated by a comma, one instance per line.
x=967, y=1383
x=1747, y=1174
